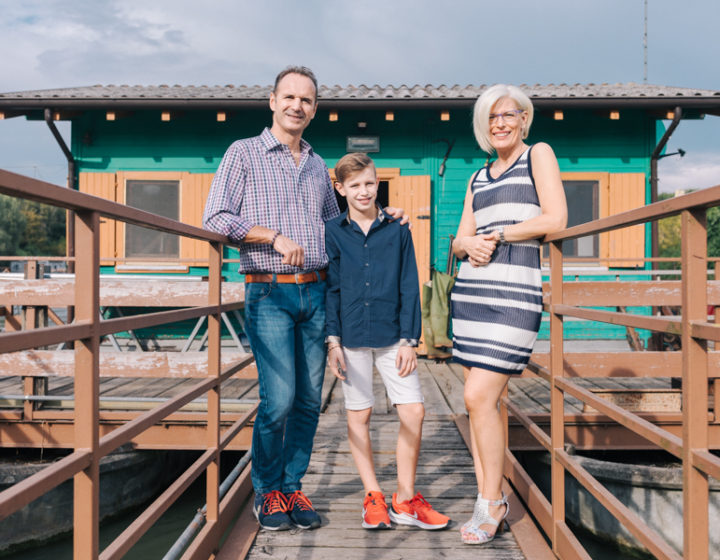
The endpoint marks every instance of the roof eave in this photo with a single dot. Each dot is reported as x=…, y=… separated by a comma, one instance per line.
x=21, y=104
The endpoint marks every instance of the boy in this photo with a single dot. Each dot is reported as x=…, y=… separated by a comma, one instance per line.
x=373, y=315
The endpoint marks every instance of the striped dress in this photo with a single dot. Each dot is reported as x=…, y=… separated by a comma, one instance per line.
x=496, y=308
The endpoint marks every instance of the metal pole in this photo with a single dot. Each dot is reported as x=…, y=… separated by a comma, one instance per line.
x=199, y=520
x=645, y=49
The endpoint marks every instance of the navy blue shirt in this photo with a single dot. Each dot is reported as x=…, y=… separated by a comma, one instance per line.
x=373, y=298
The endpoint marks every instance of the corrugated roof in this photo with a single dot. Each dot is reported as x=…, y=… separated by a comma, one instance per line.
x=204, y=96
x=357, y=92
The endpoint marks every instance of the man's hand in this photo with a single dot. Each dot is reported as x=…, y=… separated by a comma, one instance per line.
x=398, y=214
x=336, y=361
x=406, y=360
x=292, y=253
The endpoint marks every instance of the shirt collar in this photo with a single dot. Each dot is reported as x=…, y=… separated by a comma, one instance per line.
x=271, y=143
x=381, y=217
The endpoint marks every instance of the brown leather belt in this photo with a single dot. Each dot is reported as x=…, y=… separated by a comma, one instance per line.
x=300, y=278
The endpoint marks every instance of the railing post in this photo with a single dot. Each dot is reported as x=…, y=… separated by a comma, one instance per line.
x=694, y=384
x=87, y=381
x=557, y=411
x=716, y=380
x=213, y=410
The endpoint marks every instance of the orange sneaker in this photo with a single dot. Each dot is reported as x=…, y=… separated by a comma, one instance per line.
x=375, y=512
x=417, y=512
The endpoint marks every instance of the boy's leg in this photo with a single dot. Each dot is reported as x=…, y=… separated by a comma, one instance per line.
x=358, y=422
x=408, y=507
x=359, y=400
x=408, y=448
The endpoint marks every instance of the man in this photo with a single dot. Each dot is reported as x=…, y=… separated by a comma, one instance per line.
x=272, y=195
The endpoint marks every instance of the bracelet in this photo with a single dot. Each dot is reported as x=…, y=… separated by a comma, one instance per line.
x=333, y=346
x=272, y=241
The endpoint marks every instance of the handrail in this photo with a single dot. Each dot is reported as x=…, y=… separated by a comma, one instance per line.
x=692, y=448
x=86, y=331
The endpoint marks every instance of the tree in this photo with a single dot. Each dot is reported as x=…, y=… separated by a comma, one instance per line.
x=30, y=228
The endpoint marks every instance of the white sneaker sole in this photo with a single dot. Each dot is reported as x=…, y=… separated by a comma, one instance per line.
x=406, y=519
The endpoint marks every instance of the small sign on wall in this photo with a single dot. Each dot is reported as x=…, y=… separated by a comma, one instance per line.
x=366, y=144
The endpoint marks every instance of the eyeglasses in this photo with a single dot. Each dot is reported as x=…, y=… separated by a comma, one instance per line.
x=508, y=117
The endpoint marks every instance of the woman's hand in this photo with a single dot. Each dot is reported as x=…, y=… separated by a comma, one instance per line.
x=336, y=361
x=480, y=248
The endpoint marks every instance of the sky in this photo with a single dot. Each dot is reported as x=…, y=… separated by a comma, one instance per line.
x=69, y=43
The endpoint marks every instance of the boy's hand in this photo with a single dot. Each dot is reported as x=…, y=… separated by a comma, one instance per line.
x=336, y=361
x=406, y=361
x=398, y=214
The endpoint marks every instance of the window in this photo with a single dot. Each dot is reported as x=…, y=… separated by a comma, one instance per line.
x=158, y=197
x=582, y=203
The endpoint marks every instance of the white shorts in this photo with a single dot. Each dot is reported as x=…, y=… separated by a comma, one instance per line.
x=358, y=384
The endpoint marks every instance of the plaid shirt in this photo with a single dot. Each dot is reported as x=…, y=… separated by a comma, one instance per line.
x=258, y=183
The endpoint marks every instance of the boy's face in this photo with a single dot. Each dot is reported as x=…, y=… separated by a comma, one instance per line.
x=360, y=190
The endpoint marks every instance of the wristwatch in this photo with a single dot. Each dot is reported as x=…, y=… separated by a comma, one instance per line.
x=501, y=234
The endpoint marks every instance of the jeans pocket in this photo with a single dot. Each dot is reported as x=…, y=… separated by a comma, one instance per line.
x=257, y=291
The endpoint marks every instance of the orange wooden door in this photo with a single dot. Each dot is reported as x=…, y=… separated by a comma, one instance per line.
x=104, y=186
x=412, y=194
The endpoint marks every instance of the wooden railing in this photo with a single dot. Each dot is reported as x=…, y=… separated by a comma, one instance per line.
x=86, y=332
x=697, y=371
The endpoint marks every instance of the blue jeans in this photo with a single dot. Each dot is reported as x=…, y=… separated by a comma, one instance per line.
x=286, y=327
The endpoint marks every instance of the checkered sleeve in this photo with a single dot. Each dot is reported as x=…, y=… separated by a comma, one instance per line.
x=222, y=208
x=330, y=206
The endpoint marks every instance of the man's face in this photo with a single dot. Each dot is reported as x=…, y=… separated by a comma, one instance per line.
x=293, y=103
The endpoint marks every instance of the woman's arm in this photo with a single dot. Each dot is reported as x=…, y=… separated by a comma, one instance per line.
x=476, y=248
x=551, y=195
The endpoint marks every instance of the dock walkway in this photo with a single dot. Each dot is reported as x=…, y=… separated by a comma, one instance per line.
x=445, y=477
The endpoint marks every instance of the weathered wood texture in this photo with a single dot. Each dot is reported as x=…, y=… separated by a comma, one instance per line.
x=445, y=477
x=126, y=293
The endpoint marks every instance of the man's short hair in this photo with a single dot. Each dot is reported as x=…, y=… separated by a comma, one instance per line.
x=302, y=70
x=350, y=164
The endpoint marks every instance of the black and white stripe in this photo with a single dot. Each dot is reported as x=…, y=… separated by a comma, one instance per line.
x=497, y=308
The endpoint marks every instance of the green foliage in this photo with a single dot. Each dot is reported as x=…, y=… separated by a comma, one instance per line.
x=669, y=234
x=31, y=229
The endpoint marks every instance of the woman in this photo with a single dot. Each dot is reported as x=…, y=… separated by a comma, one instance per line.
x=497, y=299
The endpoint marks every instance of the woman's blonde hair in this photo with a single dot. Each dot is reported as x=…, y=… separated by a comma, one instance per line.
x=485, y=103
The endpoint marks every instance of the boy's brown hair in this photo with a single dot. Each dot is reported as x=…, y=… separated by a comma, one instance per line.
x=350, y=164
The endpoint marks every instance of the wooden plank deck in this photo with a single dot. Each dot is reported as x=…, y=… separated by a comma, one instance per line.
x=445, y=477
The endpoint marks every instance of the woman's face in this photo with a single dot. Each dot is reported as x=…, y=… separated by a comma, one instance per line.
x=506, y=124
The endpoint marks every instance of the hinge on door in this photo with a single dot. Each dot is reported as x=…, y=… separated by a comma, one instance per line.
x=424, y=217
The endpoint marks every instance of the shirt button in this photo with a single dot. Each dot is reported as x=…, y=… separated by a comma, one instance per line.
x=366, y=304
x=367, y=283
x=365, y=245
x=367, y=264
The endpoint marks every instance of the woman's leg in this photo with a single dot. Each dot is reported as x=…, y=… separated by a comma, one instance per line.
x=473, y=447
x=483, y=389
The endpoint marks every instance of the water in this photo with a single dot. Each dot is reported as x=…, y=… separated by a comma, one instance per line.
x=154, y=544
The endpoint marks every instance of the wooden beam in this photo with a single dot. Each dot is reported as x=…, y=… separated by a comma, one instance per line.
x=61, y=363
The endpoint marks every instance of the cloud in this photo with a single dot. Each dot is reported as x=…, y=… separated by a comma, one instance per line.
x=694, y=171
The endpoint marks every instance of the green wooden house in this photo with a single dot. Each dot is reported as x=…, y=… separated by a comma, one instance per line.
x=157, y=147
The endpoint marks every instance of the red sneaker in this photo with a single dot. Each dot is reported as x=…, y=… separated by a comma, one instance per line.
x=375, y=512
x=417, y=512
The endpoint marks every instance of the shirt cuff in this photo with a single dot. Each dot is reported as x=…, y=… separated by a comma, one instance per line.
x=332, y=339
x=408, y=342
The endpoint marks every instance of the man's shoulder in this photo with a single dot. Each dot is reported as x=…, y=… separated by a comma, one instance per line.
x=243, y=144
